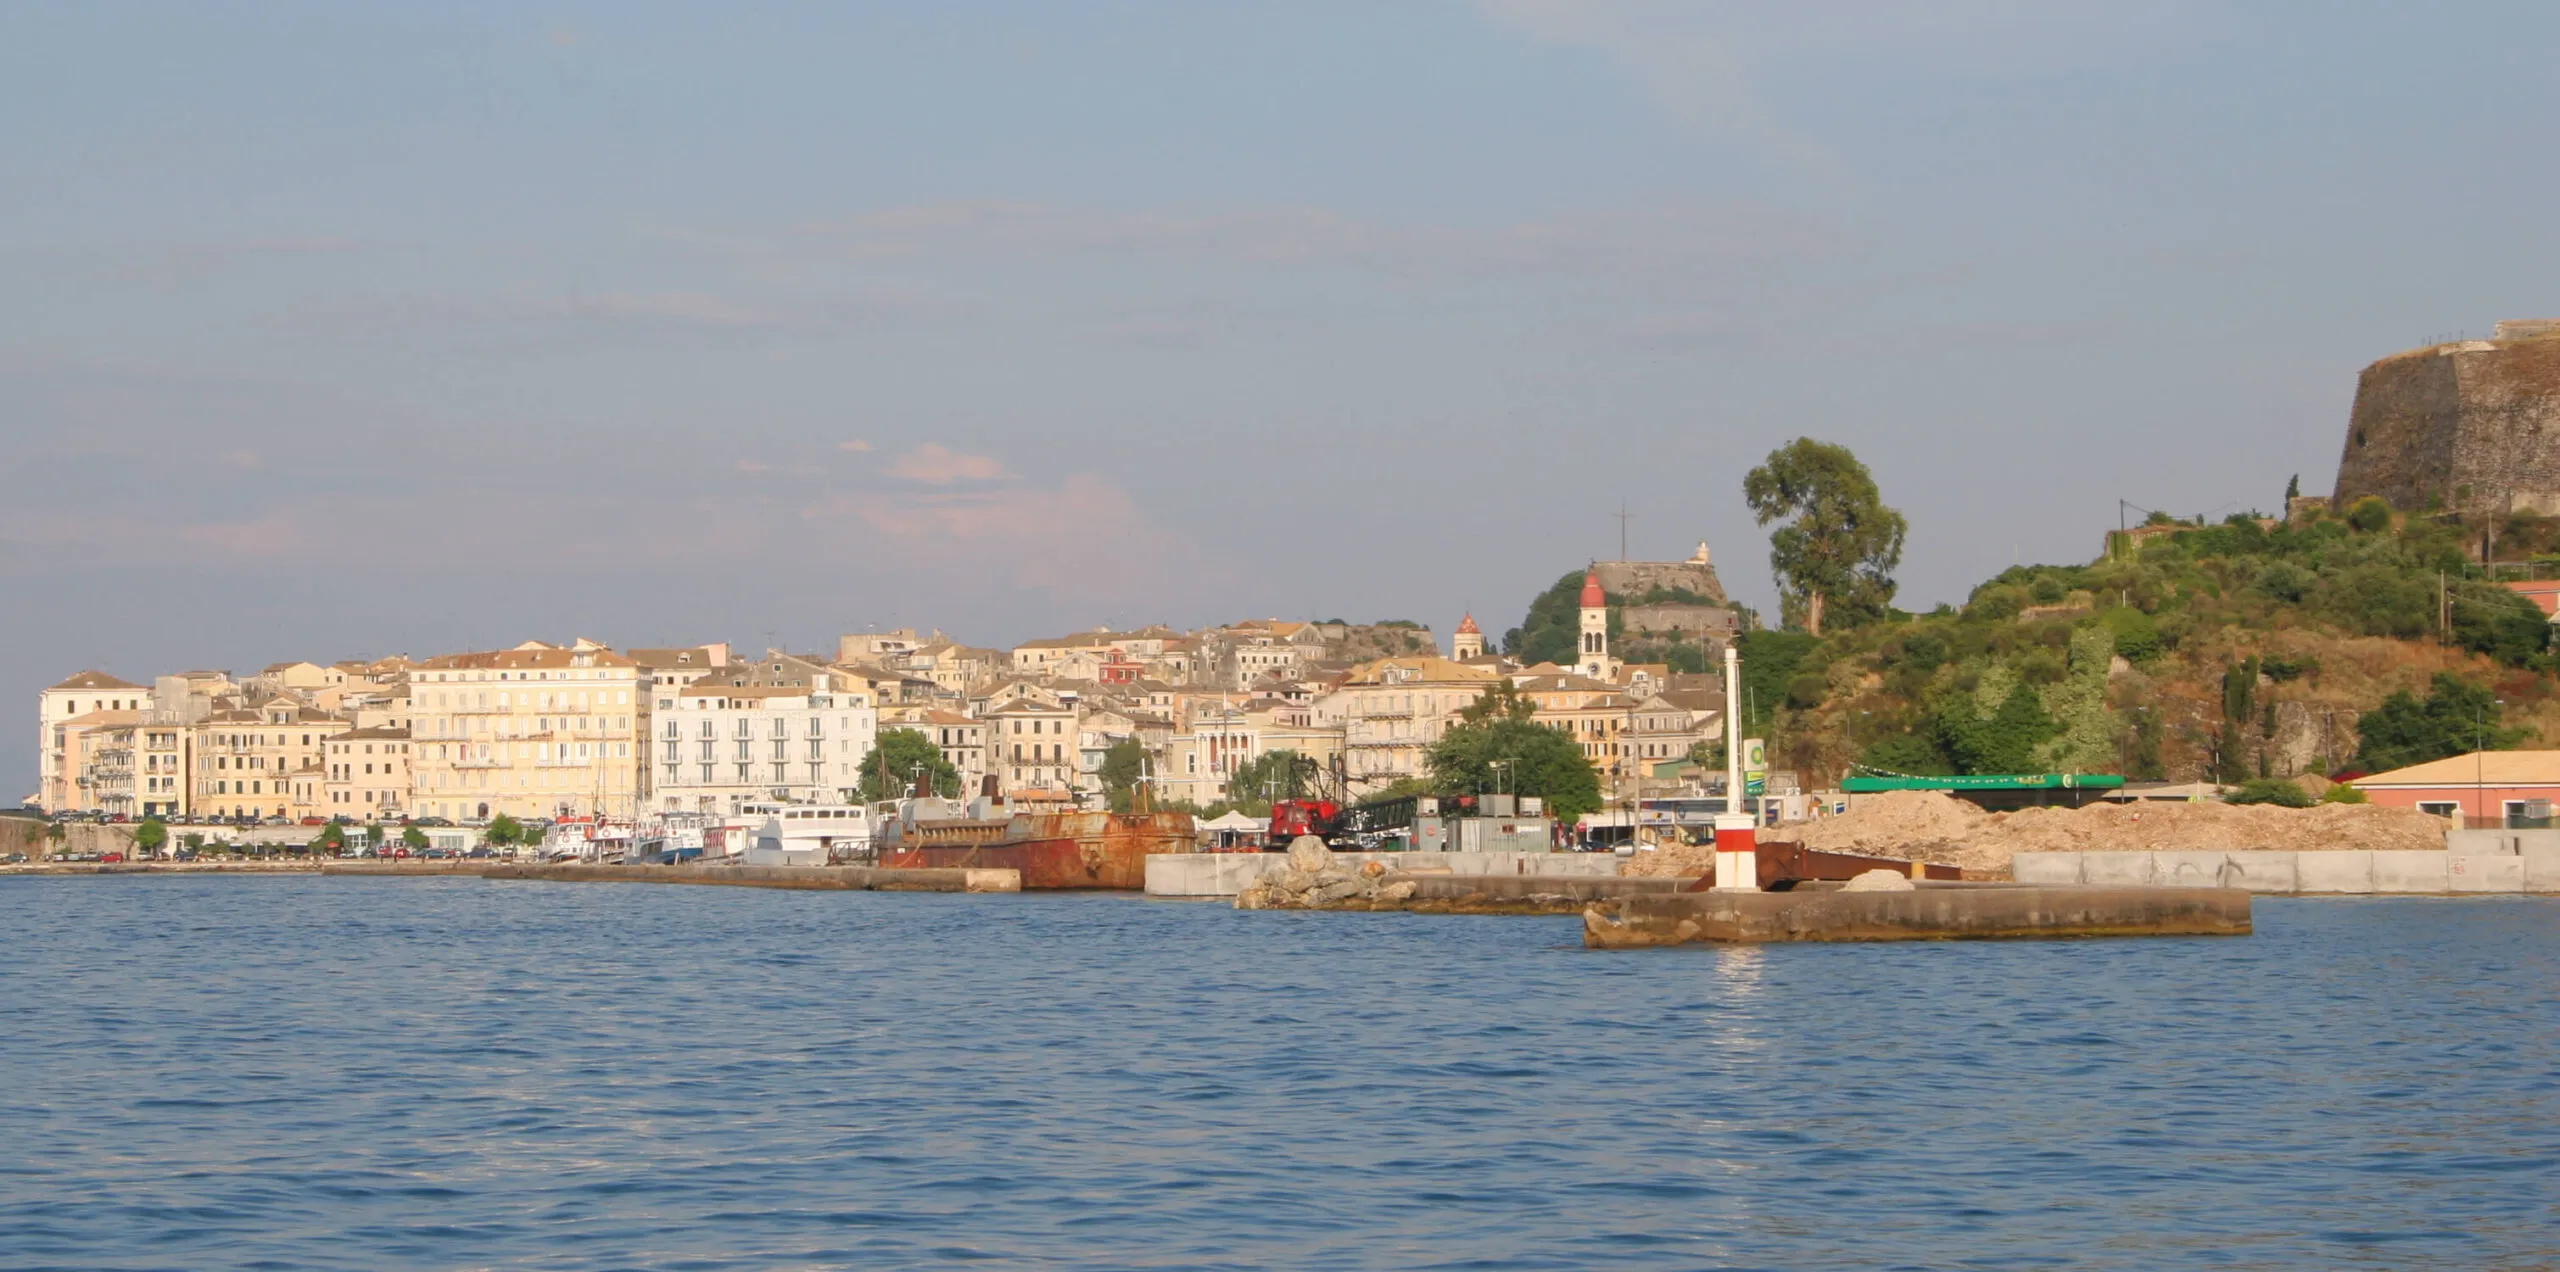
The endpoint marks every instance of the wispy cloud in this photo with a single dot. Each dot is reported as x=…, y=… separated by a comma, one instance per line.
x=857, y=446
x=1682, y=238
x=1674, y=56
x=937, y=465
x=1083, y=538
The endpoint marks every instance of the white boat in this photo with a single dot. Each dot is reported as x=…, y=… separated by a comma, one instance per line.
x=801, y=835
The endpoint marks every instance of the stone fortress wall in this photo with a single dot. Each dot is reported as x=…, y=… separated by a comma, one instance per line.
x=2470, y=426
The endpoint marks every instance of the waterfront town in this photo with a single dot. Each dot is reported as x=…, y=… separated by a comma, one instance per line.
x=585, y=730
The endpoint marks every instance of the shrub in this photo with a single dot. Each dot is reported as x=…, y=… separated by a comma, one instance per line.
x=1806, y=692
x=2270, y=790
x=2369, y=514
x=2137, y=637
x=2344, y=794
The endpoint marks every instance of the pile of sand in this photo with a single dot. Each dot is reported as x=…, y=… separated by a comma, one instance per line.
x=1928, y=826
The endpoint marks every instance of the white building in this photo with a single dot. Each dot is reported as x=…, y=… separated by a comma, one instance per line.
x=723, y=746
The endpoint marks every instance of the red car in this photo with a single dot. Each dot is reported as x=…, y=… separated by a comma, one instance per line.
x=113, y=856
x=315, y=821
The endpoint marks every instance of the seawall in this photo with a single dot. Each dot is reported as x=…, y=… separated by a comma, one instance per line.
x=1224, y=874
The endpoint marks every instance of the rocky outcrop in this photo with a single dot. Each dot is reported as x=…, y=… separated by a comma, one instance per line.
x=1310, y=877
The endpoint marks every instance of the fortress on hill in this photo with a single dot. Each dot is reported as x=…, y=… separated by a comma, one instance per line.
x=2467, y=426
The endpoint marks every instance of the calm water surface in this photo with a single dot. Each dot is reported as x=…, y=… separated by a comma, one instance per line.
x=390, y=1074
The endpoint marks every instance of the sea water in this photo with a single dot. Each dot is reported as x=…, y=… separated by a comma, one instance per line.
x=301, y=1072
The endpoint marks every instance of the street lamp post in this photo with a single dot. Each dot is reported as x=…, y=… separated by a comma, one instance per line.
x=2480, y=762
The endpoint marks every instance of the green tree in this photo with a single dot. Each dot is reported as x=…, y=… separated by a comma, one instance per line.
x=890, y=770
x=333, y=839
x=151, y=836
x=2369, y=514
x=1122, y=766
x=413, y=838
x=1835, y=556
x=1274, y=775
x=1996, y=728
x=1496, y=746
x=2292, y=490
x=1552, y=629
x=2455, y=718
x=2270, y=790
x=1770, y=662
x=502, y=832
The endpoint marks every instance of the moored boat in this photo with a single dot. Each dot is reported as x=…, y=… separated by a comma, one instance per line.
x=1052, y=850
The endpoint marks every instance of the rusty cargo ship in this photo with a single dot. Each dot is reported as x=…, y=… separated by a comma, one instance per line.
x=1052, y=850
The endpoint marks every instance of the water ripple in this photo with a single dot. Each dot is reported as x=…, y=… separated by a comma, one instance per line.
x=392, y=1074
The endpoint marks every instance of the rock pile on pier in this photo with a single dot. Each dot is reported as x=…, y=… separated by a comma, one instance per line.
x=1310, y=877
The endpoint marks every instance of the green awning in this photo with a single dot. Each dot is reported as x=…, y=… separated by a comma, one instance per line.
x=1864, y=784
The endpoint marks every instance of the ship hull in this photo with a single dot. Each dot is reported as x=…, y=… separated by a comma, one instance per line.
x=1058, y=851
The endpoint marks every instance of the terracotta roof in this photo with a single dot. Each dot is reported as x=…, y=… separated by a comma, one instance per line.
x=1592, y=596
x=2489, y=768
x=1467, y=626
x=515, y=659
x=1431, y=669
x=706, y=690
x=96, y=680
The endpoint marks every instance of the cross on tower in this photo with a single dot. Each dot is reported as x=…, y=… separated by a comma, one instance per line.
x=1624, y=517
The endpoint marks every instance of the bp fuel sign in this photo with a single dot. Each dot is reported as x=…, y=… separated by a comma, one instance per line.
x=1755, y=767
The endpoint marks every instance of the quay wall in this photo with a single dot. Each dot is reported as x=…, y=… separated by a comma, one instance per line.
x=2476, y=862
x=1224, y=874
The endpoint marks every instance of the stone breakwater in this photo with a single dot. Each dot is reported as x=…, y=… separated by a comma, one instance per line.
x=1310, y=877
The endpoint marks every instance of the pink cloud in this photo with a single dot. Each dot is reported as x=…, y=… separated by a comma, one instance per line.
x=938, y=465
x=1085, y=537
x=858, y=447
x=754, y=466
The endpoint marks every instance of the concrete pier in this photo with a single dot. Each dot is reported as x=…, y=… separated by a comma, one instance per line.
x=1516, y=894
x=1224, y=874
x=2476, y=862
x=1944, y=912
x=818, y=878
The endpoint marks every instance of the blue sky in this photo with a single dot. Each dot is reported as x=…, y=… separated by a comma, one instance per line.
x=341, y=329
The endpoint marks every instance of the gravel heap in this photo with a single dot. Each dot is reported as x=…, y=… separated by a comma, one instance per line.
x=1933, y=827
x=1312, y=878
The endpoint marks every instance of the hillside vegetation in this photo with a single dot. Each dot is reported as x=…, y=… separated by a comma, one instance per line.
x=2235, y=651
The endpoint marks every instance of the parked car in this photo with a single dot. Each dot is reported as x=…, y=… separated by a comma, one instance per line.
x=14, y=859
x=432, y=821
x=183, y=854
x=315, y=821
x=111, y=857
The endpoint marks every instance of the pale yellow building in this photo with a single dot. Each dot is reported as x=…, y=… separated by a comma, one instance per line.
x=1390, y=712
x=365, y=774
x=247, y=760
x=530, y=732
x=57, y=769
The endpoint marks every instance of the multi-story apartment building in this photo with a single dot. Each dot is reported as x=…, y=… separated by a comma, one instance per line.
x=534, y=731
x=163, y=788
x=963, y=740
x=57, y=769
x=724, y=745
x=101, y=747
x=668, y=671
x=1390, y=712
x=366, y=774
x=246, y=759
x=1033, y=745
